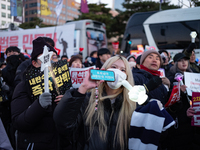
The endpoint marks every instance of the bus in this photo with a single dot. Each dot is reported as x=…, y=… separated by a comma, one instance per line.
x=168, y=29
x=89, y=36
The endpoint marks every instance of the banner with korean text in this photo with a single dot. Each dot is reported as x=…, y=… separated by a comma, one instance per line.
x=195, y=121
x=78, y=74
x=59, y=80
x=63, y=38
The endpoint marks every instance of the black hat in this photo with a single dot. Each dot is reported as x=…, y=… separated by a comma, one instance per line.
x=130, y=56
x=138, y=59
x=180, y=56
x=12, y=48
x=38, y=46
x=103, y=51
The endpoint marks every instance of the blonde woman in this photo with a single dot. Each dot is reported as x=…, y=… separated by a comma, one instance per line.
x=103, y=126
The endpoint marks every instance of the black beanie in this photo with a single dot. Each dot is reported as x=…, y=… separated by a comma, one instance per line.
x=138, y=59
x=38, y=47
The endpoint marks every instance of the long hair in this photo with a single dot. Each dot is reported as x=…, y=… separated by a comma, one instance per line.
x=175, y=69
x=125, y=113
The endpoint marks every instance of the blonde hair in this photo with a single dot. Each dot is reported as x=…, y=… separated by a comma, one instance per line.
x=125, y=113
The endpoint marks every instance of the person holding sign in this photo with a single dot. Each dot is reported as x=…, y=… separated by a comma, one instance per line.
x=180, y=136
x=76, y=62
x=100, y=120
x=32, y=116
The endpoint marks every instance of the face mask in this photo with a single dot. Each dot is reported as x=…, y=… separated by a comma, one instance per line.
x=93, y=59
x=119, y=77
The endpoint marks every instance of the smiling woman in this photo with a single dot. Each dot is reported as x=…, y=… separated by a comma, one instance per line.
x=100, y=120
x=182, y=132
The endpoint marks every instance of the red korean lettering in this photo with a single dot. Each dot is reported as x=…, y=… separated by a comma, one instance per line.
x=14, y=40
x=4, y=43
x=26, y=41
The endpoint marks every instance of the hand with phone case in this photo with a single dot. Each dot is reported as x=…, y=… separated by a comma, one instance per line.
x=88, y=84
x=106, y=75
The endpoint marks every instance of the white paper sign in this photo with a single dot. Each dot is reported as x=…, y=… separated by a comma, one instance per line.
x=78, y=74
x=162, y=72
x=192, y=81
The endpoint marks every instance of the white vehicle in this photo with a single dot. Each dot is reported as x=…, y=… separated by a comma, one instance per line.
x=168, y=29
x=89, y=36
x=71, y=38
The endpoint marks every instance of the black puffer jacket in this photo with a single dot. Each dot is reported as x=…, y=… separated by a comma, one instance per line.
x=70, y=121
x=181, y=135
x=35, y=124
x=142, y=77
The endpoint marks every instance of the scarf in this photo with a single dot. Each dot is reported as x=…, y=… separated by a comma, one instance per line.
x=153, y=72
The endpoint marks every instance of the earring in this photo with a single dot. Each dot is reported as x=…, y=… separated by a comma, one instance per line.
x=96, y=97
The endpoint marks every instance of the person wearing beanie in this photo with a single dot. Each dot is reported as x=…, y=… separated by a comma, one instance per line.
x=149, y=76
x=103, y=55
x=131, y=61
x=183, y=133
x=34, y=119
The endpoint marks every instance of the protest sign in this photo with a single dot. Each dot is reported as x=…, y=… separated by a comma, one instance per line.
x=192, y=81
x=78, y=74
x=196, y=105
x=59, y=80
x=162, y=72
x=175, y=95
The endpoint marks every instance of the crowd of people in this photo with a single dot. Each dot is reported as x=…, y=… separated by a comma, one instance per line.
x=96, y=115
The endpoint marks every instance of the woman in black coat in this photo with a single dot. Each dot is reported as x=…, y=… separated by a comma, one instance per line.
x=180, y=136
x=99, y=121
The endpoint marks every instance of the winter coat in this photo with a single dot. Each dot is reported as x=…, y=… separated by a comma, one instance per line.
x=71, y=123
x=4, y=141
x=98, y=63
x=142, y=77
x=20, y=70
x=35, y=125
x=195, y=68
x=180, y=136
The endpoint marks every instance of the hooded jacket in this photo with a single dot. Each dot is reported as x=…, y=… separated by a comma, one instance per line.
x=71, y=123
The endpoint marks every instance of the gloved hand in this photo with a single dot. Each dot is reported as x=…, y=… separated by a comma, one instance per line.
x=5, y=87
x=45, y=100
x=191, y=47
x=153, y=83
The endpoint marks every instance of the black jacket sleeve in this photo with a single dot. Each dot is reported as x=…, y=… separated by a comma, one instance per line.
x=25, y=114
x=68, y=113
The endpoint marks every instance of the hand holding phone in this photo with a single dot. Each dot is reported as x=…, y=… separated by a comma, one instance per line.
x=102, y=75
x=88, y=84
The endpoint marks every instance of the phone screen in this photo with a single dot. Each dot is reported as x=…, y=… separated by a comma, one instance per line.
x=102, y=75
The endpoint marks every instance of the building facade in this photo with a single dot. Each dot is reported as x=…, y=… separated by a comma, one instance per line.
x=32, y=9
x=69, y=11
x=5, y=14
